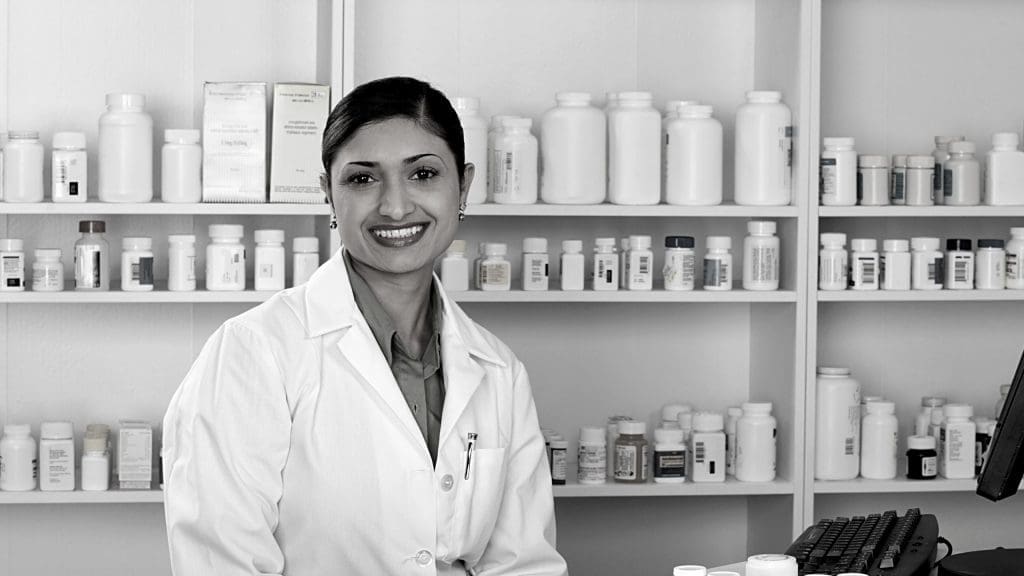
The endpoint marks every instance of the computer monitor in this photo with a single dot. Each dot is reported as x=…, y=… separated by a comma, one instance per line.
x=1004, y=465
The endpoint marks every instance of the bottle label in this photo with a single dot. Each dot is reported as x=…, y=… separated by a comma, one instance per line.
x=494, y=274
x=786, y=143
x=678, y=271
x=142, y=271
x=765, y=264
x=592, y=463
x=46, y=278
x=559, y=465
x=12, y=270
x=670, y=463
x=860, y=186
x=716, y=273
x=828, y=177
x=605, y=268
x=937, y=270
x=866, y=272
x=626, y=462
x=929, y=466
x=1014, y=271
x=88, y=266
x=833, y=271
x=937, y=184
x=947, y=183
x=899, y=186
x=537, y=271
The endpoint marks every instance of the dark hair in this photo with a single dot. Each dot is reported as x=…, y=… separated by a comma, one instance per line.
x=394, y=97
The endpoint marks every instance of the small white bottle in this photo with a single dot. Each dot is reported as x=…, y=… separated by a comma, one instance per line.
x=838, y=172
x=95, y=463
x=516, y=173
x=959, y=264
x=573, y=144
x=878, y=456
x=920, y=181
x=961, y=178
x=634, y=150
x=761, y=257
x=535, y=264
x=12, y=265
x=898, y=183
x=923, y=422
x=1004, y=171
x=680, y=263
x=495, y=270
x=873, y=180
x=137, y=264
x=20, y=459
x=624, y=262
x=225, y=258
x=707, y=448
x=927, y=264
x=47, y=270
x=956, y=458
x=69, y=168
x=837, y=425
x=57, y=456
x=693, y=158
x=305, y=258
x=592, y=461
x=941, y=156
x=1015, y=260
x=474, y=130
x=494, y=156
x=833, y=262
x=180, y=167
x=669, y=462
x=756, y=432
x=23, y=167
x=864, y=264
x=92, y=257
x=181, y=262
x=571, y=265
x=764, y=151
x=269, y=267
x=455, y=267
x=718, y=263
x=606, y=265
x=895, y=265
x=732, y=417
x=990, y=265
x=639, y=266
x=126, y=150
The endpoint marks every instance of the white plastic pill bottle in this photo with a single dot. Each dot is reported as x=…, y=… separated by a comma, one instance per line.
x=634, y=150
x=573, y=143
x=961, y=178
x=12, y=265
x=898, y=176
x=872, y=180
x=928, y=268
x=693, y=158
x=640, y=264
x=181, y=262
x=837, y=425
x=126, y=150
x=1004, y=173
x=181, y=167
x=832, y=262
x=764, y=148
x=838, y=172
x=474, y=130
x=69, y=168
x=305, y=258
x=718, y=263
x=92, y=257
x=225, y=258
x=707, y=448
x=895, y=264
x=1015, y=259
x=761, y=257
x=48, y=270
x=771, y=565
x=269, y=267
x=941, y=155
x=606, y=265
x=864, y=261
x=20, y=459
x=515, y=172
x=959, y=264
x=56, y=456
x=536, y=264
x=455, y=267
x=571, y=265
x=732, y=418
x=495, y=269
x=95, y=463
x=956, y=440
x=920, y=181
x=137, y=264
x=990, y=264
x=756, y=433
x=878, y=456
x=680, y=263
x=23, y=167
x=592, y=464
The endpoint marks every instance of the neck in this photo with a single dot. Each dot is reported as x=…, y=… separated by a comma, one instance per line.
x=406, y=299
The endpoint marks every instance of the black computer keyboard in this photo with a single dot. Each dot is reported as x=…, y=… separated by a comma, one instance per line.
x=879, y=545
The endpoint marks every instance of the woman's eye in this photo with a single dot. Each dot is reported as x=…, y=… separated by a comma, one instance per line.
x=424, y=174
x=360, y=178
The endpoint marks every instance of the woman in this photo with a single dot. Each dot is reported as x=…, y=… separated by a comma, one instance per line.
x=362, y=423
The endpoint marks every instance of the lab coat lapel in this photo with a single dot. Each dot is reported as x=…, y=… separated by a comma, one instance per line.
x=462, y=376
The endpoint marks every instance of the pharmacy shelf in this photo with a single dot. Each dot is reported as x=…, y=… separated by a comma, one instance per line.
x=160, y=208
x=896, y=485
x=112, y=496
x=70, y=296
x=920, y=211
x=921, y=296
x=730, y=487
x=616, y=211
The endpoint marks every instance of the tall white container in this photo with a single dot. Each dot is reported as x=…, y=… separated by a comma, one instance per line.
x=126, y=150
x=1004, y=174
x=878, y=454
x=761, y=254
x=693, y=158
x=956, y=439
x=515, y=174
x=764, y=144
x=756, y=431
x=574, y=149
x=837, y=425
x=23, y=167
x=838, y=177
x=181, y=166
x=474, y=131
x=634, y=150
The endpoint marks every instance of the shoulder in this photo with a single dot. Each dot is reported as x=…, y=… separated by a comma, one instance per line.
x=483, y=343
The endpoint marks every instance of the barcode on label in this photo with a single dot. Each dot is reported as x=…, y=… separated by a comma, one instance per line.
x=699, y=453
x=645, y=265
x=898, y=186
x=932, y=276
x=848, y=448
x=867, y=271
x=960, y=271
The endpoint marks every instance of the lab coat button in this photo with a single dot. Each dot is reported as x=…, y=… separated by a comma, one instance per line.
x=447, y=482
x=423, y=558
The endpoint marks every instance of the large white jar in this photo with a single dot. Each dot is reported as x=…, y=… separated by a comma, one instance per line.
x=693, y=158
x=474, y=131
x=634, y=150
x=574, y=151
x=837, y=425
x=126, y=150
x=764, y=141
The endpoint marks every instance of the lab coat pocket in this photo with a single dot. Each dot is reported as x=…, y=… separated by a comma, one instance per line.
x=478, y=502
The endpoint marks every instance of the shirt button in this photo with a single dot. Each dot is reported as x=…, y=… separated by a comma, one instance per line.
x=423, y=558
x=447, y=482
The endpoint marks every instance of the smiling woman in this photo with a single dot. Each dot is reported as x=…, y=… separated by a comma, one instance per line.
x=361, y=423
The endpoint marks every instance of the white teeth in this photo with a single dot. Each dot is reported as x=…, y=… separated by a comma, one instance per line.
x=398, y=233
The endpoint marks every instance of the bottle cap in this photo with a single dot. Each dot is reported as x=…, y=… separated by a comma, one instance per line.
x=305, y=244
x=842, y=142
x=535, y=245
x=672, y=106
x=719, y=242
x=17, y=430
x=734, y=412
x=56, y=431
x=605, y=243
x=954, y=244
x=47, y=253
x=924, y=244
x=708, y=422
x=685, y=420
x=679, y=242
x=121, y=100
x=181, y=239
x=833, y=371
x=636, y=96
x=592, y=435
x=671, y=412
x=873, y=161
x=518, y=123
x=991, y=243
x=920, y=161
x=896, y=245
x=97, y=430
x=137, y=243
x=181, y=136
x=573, y=98
x=466, y=104
x=94, y=444
x=1005, y=140
x=761, y=227
x=765, y=564
x=639, y=242
x=881, y=407
x=23, y=135
x=457, y=247
x=92, y=226
x=1004, y=389
x=632, y=427
x=962, y=147
x=69, y=141
x=864, y=244
x=689, y=570
x=269, y=236
x=833, y=239
x=760, y=408
x=496, y=249
x=695, y=111
x=932, y=401
x=728, y=573
x=942, y=142
x=899, y=160
x=958, y=411
x=764, y=96
x=572, y=246
x=668, y=435
x=921, y=442
x=559, y=444
x=11, y=244
x=226, y=231
x=498, y=121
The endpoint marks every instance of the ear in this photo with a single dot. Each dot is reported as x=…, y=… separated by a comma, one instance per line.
x=468, y=172
x=325, y=187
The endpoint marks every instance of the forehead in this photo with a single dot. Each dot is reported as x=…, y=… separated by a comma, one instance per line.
x=391, y=140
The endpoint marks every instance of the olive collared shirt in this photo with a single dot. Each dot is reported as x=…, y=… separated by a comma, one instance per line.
x=421, y=380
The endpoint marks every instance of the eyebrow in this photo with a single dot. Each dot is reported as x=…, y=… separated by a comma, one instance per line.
x=409, y=160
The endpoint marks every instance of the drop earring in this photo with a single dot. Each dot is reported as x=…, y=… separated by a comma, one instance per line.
x=334, y=222
x=462, y=212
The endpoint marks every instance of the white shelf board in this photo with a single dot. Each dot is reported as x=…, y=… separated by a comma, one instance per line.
x=898, y=484
x=614, y=210
x=921, y=296
x=730, y=487
x=920, y=211
x=113, y=496
x=160, y=208
x=70, y=296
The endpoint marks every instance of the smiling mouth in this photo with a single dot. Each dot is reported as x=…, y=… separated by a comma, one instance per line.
x=398, y=237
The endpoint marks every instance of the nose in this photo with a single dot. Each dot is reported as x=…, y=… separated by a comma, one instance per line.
x=395, y=202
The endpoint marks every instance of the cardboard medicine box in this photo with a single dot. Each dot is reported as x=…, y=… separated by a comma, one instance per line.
x=235, y=142
x=299, y=116
x=135, y=455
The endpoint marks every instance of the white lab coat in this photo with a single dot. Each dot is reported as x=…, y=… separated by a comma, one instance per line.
x=289, y=449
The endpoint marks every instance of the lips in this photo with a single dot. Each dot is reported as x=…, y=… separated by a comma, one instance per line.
x=398, y=236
